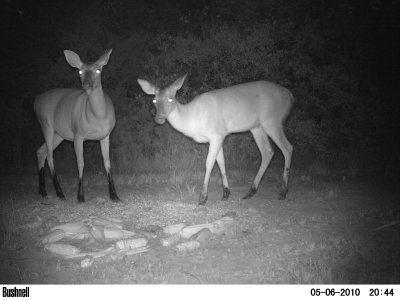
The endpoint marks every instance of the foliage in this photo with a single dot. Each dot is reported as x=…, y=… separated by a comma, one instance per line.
x=322, y=125
x=335, y=119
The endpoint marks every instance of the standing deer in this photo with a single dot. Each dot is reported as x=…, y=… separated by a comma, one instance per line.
x=76, y=115
x=260, y=107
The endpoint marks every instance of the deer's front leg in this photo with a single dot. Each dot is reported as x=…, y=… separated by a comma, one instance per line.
x=215, y=146
x=105, y=151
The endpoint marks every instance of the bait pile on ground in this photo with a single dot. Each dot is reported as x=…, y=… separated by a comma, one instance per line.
x=95, y=237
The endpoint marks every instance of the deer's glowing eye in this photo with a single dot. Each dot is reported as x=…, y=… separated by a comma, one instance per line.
x=80, y=72
x=169, y=99
x=154, y=101
x=98, y=71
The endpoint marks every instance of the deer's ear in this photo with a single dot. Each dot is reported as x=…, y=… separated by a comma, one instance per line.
x=103, y=60
x=73, y=59
x=147, y=87
x=178, y=83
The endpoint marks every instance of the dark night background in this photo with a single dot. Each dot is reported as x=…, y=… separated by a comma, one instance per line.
x=339, y=58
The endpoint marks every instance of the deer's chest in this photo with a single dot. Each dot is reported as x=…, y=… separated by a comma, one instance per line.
x=97, y=132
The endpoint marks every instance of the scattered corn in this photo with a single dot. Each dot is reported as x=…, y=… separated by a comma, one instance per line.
x=71, y=228
x=62, y=249
x=111, y=234
x=131, y=244
x=202, y=235
x=53, y=236
x=188, y=231
x=174, y=228
x=105, y=221
x=170, y=240
x=188, y=246
x=97, y=232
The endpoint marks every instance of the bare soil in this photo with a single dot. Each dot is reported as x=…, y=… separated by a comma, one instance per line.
x=324, y=232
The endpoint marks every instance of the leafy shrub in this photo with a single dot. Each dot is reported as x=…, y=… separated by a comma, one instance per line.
x=331, y=121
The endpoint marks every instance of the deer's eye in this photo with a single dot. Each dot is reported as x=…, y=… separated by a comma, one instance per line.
x=80, y=72
x=170, y=99
x=154, y=101
x=97, y=71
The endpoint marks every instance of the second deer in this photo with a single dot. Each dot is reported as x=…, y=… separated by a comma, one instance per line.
x=259, y=107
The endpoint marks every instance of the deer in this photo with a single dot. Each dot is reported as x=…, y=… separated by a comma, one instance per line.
x=260, y=107
x=76, y=115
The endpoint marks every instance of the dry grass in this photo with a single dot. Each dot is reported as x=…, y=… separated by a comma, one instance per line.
x=323, y=233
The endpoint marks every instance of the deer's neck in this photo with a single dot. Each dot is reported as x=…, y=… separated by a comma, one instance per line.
x=97, y=103
x=181, y=119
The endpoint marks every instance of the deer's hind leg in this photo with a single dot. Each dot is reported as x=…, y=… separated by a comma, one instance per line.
x=225, y=186
x=41, y=154
x=263, y=144
x=52, y=140
x=278, y=136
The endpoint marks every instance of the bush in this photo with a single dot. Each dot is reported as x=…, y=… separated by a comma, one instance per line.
x=322, y=125
x=330, y=121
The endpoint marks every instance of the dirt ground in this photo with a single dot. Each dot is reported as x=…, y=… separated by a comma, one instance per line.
x=324, y=232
